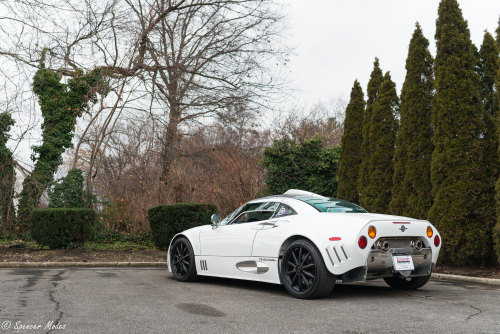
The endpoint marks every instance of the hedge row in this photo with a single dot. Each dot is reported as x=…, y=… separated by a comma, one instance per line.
x=168, y=220
x=62, y=227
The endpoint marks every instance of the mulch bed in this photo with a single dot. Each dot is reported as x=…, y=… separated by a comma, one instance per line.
x=81, y=255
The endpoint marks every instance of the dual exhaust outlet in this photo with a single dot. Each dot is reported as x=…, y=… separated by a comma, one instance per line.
x=385, y=246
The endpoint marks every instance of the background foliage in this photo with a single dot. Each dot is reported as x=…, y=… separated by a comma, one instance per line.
x=168, y=220
x=308, y=165
x=61, y=104
x=7, y=175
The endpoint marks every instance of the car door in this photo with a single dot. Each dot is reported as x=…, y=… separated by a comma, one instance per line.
x=223, y=247
x=236, y=237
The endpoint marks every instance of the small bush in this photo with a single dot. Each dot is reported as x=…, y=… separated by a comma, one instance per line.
x=62, y=227
x=168, y=220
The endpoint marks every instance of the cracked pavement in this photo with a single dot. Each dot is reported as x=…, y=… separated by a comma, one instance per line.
x=149, y=300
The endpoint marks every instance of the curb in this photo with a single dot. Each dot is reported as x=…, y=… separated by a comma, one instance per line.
x=470, y=279
x=80, y=264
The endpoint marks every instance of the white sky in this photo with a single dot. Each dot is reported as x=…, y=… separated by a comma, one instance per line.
x=336, y=41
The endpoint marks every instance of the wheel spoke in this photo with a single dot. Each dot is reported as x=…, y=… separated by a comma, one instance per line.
x=294, y=278
x=300, y=256
x=183, y=267
x=185, y=262
x=295, y=258
x=308, y=274
x=306, y=283
x=307, y=266
x=291, y=264
x=305, y=258
x=290, y=272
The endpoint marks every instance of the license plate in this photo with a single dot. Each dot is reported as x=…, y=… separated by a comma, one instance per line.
x=403, y=262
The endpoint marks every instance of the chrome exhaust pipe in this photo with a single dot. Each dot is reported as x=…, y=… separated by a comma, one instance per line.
x=383, y=245
x=417, y=244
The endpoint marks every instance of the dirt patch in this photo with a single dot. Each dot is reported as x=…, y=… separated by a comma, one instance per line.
x=487, y=272
x=81, y=255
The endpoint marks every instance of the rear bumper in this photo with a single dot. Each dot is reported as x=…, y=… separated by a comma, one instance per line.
x=380, y=263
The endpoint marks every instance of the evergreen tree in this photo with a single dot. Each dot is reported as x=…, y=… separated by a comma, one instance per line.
x=460, y=209
x=350, y=154
x=498, y=34
x=376, y=79
x=496, y=230
x=382, y=136
x=412, y=158
x=488, y=68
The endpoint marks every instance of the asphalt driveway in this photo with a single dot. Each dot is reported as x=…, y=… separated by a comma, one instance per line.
x=143, y=300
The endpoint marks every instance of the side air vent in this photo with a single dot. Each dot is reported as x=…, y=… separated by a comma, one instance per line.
x=203, y=265
x=337, y=254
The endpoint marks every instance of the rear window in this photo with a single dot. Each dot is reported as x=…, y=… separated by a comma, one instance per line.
x=329, y=204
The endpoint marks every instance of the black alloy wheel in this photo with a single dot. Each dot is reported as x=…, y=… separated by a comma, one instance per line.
x=300, y=270
x=182, y=260
x=303, y=271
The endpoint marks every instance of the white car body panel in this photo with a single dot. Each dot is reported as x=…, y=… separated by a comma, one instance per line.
x=224, y=248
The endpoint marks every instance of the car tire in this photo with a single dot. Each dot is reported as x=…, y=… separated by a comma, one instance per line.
x=304, y=273
x=401, y=283
x=182, y=260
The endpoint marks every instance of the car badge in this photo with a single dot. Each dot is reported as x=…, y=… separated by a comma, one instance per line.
x=403, y=228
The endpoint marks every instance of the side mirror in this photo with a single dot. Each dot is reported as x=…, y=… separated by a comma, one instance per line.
x=215, y=220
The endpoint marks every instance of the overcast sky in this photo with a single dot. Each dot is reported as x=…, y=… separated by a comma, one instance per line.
x=336, y=41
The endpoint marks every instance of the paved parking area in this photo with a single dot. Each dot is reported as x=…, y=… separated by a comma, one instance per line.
x=149, y=300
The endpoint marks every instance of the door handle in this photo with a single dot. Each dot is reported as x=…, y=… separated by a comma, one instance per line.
x=268, y=224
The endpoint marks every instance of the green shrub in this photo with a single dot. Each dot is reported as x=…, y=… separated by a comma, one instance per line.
x=62, y=227
x=68, y=192
x=310, y=166
x=168, y=220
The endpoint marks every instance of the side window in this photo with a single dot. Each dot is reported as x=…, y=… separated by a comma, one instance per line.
x=284, y=210
x=255, y=212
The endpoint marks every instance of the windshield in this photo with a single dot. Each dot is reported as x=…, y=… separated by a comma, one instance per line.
x=328, y=204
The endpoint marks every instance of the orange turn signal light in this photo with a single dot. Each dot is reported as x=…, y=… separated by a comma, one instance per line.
x=430, y=232
x=372, y=232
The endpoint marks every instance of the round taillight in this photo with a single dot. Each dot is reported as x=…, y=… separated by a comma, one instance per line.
x=372, y=232
x=429, y=232
x=437, y=240
x=362, y=242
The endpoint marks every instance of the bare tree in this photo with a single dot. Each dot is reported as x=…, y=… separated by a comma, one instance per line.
x=192, y=59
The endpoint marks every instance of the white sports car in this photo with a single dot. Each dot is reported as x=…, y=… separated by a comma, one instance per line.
x=305, y=242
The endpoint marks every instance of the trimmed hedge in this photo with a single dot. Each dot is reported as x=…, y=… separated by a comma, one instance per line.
x=168, y=220
x=62, y=227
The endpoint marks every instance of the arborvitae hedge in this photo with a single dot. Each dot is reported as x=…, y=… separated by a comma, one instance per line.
x=382, y=137
x=412, y=158
x=7, y=175
x=350, y=152
x=488, y=68
x=62, y=227
x=496, y=230
x=168, y=220
x=376, y=79
x=460, y=209
x=309, y=166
